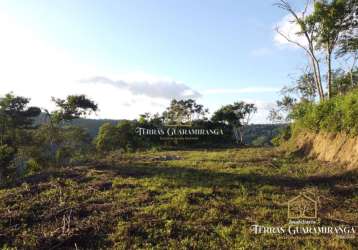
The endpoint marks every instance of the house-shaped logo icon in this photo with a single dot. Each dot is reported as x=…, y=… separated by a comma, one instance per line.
x=303, y=206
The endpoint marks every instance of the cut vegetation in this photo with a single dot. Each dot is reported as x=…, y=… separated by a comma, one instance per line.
x=204, y=199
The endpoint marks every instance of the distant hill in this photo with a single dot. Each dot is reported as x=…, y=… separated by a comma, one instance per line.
x=261, y=134
x=92, y=125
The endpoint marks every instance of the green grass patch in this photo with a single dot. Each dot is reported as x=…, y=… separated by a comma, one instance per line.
x=174, y=200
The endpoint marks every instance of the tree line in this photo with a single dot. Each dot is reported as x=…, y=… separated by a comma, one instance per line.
x=32, y=138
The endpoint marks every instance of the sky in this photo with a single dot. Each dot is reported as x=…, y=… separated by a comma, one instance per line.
x=134, y=56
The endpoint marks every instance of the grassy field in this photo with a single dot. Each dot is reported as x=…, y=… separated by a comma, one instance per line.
x=175, y=200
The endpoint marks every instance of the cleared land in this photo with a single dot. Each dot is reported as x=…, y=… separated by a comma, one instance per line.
x=175, y=200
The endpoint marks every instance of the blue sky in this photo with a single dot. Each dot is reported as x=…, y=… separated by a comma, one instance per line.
x=217, y=51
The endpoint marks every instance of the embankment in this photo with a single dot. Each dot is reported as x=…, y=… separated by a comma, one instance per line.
x=335, y=148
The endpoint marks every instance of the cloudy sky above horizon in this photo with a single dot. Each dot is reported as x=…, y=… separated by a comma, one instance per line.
x=134, y=56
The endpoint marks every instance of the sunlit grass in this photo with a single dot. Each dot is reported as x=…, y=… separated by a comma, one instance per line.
x=203, y=199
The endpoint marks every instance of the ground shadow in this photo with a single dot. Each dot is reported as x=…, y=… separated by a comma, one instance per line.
x=188, y=176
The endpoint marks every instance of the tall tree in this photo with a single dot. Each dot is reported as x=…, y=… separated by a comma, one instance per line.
x=237, y=115
x=73, y=107
x=331, y=21
x=15, y=114
x=183, y=112
x=331, y=26
x=348, y=42
x=108, y=138
x=307, y=29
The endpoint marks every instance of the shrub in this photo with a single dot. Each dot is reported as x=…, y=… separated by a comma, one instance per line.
x=261, y=141
x=7, y=154
x=338, y=114
x=63, y=155
x=32, y=166
x=283, y=135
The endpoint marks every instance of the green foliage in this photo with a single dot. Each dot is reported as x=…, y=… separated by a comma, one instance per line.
x=62, y=142
x=40, y=144
x=260, y=141
x=284, y=135
x=74, y=106
x=7, y=154
x=15, y=114
x=338, y=114
x=14, y=109
x=343, y=82
x=304, y=87
x=107, y=138
x=330, y=18
x=183, y=111
x=63, y=155
x=121, y=136
x=236, y=114
x=349, y=40
x=32, y=166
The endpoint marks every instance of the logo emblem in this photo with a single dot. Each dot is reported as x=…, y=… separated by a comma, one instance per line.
x=303, y=206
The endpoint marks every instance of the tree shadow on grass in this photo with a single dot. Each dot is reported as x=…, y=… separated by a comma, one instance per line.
x=77, y=174
x=194, y=177
x=182, y=177
x=186, y=176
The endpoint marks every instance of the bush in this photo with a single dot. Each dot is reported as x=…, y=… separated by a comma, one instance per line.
x=283, y=135
x=338, y=114
x=32, y=166
x=63, y=155
x=7, y=154
x=261, y=141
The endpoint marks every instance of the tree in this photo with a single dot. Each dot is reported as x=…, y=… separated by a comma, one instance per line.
x=331, y=26
x=7, y=154
x=75, y=143
x=348, y=42
x=303, y=87
x=237, y=115
x=184, y=111
x=343, y=82
x=107, y=138
x=330, y=20
x=15, y=114
x=282, y=112
x=121, y=136
x=155, y=120
x=73, y=107
x=308, y=31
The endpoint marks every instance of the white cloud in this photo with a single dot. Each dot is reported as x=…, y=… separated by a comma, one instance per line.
x=36, y=68
x=151, y=87
x=289, y=27
x=33, y=67
x=250, y=90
